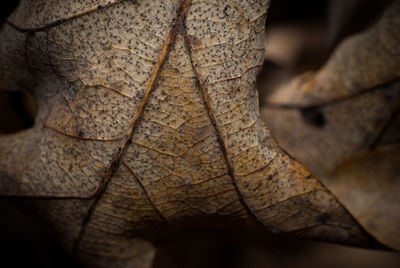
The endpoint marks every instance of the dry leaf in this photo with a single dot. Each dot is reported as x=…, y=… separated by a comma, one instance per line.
x=148, y=119
x=344, y=119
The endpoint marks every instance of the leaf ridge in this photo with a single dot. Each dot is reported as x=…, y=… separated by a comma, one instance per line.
x=217, y=131
x=128, y=139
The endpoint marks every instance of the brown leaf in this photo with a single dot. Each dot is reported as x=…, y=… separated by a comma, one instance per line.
x=148, y=118
x=373, y=175
x=339, y=119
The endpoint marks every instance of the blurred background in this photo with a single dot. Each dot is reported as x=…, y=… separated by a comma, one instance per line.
x=300, y=37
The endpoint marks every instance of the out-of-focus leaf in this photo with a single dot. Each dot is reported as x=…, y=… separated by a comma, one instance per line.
x=348, y=108
x=351, y=16
x=369, y=185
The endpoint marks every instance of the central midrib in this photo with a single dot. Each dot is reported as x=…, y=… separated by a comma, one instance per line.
x=128, y=139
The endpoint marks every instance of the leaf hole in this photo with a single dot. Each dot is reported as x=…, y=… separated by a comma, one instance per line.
x=314, y=116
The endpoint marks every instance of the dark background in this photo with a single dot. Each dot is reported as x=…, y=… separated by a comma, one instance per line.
x=300, y=37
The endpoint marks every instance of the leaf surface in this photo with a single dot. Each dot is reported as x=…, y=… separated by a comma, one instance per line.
x=148, y=118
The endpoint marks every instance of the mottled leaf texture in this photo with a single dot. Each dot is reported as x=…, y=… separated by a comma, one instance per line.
x=148, y=118
x=343, y=122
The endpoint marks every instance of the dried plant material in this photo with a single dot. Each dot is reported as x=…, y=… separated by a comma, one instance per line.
x=348, y=108
x=148, y=118
x=375, y=175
